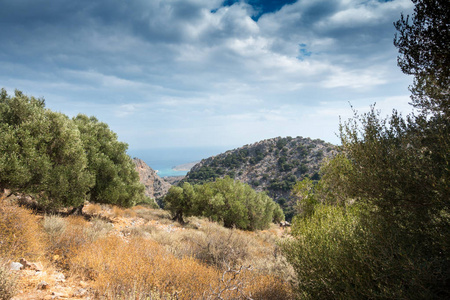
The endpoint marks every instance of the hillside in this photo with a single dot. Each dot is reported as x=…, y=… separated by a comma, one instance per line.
x=155, y=186
x=272, y=165
x=136, y=253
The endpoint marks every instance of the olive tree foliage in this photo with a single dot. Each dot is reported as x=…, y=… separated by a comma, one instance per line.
x=62, y=162
x=379, y=223
x=226, y=200
x=116, y=180
x=41, y=152
x=423, y=43
x=179, y=201
x=331, y=189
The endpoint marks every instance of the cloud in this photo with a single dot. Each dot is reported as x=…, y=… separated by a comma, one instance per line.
x=198, y=71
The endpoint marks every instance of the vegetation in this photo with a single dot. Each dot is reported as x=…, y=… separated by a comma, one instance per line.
x=116, y=180
x=373, y=223
x=376, y=225
x=62, y=162
x=272, y=166
x=20, y=233
x=226, y=200
x=423, y=46
x=41, y=152
x=8, y=285
x=153, y=258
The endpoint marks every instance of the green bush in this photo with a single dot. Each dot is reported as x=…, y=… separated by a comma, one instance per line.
x=229, y=201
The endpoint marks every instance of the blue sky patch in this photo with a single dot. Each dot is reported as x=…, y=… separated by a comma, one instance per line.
x=262, y=6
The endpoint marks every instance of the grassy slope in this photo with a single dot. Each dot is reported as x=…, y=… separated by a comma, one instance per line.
x=138, y=253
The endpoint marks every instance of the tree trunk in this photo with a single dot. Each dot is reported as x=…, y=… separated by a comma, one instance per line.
x=179, y=217
x=77, y=210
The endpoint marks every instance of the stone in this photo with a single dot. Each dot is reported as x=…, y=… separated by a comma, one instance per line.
x=60, y=277
x=37, y=266
x=43, y=285
x=83, y=284
x=15, y=266
x=59, y=295
x=80, y=292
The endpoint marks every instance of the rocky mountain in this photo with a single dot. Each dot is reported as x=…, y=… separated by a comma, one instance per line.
x=272, y=165
x=155, y=186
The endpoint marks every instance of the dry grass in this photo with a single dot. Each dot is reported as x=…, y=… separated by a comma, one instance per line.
x=8, y=281
x=156, y=260
x=118, y=212
x=152, y=214
x=212, y=244
x=20, y=233
x=221, y=247
x=142, y=267
x=54, y=226
x=130, y=213
x=93, y=209
x=63, y=243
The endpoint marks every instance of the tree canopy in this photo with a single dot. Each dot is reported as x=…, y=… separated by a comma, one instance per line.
x=377, y=224
x=115, y=178
x=423, y=44
x=62, y=162
x=226, y=200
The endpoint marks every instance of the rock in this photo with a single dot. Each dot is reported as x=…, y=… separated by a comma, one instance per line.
x=15, y=266
x=40, y=273
x=155, y=186
x=58, y=295
x=83, y=284
x=43, y=285
x=79, y=293
x=60, y=277
x=30, y=266
x=284, y=224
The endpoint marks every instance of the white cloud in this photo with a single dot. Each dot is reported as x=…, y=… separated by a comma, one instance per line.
x=192, y=71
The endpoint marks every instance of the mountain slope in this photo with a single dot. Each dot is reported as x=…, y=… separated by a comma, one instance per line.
x=155, y=186
x=272, y=165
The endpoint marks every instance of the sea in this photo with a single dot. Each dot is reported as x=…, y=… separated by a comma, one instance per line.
x=163, y=160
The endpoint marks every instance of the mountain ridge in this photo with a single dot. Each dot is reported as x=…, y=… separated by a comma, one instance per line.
x=271, y=165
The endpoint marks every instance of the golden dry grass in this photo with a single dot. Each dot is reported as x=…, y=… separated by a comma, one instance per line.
x=8, y=281
x=20, y=233
x=93, y=209
x=154, y=258
x=141, y=267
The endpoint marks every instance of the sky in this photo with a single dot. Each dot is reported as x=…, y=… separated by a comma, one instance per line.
x=206, y=73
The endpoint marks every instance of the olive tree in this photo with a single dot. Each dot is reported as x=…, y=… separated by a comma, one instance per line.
x=41, y=152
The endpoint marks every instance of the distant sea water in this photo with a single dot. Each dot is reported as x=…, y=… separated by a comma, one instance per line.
x=164, y=159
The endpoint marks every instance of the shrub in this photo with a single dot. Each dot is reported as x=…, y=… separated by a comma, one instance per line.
x=64, y=243
x=322, y=253
x=218, y=246
x=142, y=269
x=231, y=202
x=20, y=233
x=93, y=209
x=7, y=281
x=97, y=228
x=54, y=226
